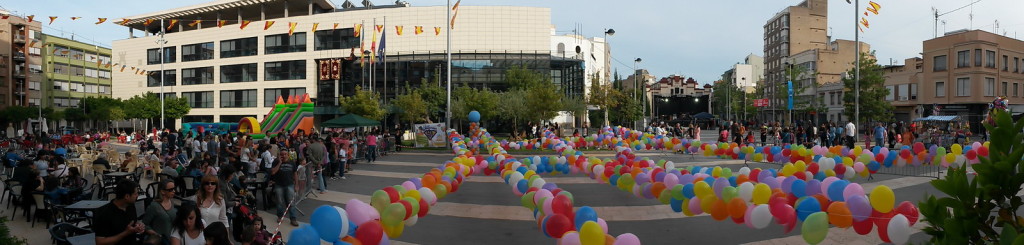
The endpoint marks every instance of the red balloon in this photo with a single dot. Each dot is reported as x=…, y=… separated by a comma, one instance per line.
x=983, y=151
x=562, y=205
x=424, y=208
x=370, y=232
x=918, y=147
x=905, y=153
x=754, y=174
x=907, y=208
x=408, y=208
x=791, y=217
x=971, y=154
x=813, y=168
x=863, y=227
x=557, y=225
x=882, y=221
x=879, y=158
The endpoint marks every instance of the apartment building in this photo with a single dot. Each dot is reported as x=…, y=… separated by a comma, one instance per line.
x=74, y=70
x=21, y=61
x=790, y=31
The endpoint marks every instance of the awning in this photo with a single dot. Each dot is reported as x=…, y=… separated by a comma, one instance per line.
x=350, y=121
x=938, y=118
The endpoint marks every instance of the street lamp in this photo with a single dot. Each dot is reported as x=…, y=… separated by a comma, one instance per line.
x=636, y=86
x=608, y=32
x=162, y=41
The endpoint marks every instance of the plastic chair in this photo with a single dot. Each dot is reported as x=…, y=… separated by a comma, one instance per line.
x=14, y=197
x=189, y=185
x=60, y=232
x=41, y=206
x=8, y=183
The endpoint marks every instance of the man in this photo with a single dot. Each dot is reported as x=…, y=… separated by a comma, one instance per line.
x=101, y=160
x=371, y=147
x=317, y=155
x=283, y=179
x=851, y=134
x=171, y=168
x=117, y=222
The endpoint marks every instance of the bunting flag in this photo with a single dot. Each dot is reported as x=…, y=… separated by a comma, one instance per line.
x=437, y=31
x=99, y=62
x=381, y=49
x=355, y=31
x=194, y=23
x=171, y=24
x=100, y=20
x=75, y=18
x=373, y=44
x=65, y=51
x=122, y=68
x=380, y=28
x=221, y=23
x=874, y=7
x=125, y=21
x=455, y=13
x=148, y=21
x=267, y=25
x=335, y=69
x=864, y=22
x=325, y=70
x=133, y=68
x=362, y=54
x=5, y=16
x=419, y=29
x=244, y=24
x=32, y=43
x=55, y=50
x=336, y=26
x=398, y=30
x=30, y=18
x=52, y=18
x=314, y=26
x=291, y=27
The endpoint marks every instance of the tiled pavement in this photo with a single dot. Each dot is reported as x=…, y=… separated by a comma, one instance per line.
x=485, y=211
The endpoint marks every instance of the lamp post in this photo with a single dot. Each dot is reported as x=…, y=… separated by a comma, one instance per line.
x=636, y=87
x=856, y=63
x=609, y=32
x=162, y=41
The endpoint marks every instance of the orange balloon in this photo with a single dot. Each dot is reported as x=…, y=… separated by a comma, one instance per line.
x=737, y=208
x=822, y=200
x=742, y=179
x=656, y=189
x=609, y=239
x=839, y=215
x=351, y=240
x=428, y=180
x=719, y=210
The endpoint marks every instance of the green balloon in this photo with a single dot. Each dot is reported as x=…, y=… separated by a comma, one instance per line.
x=666, y=196
x=527, y=200
x=726, y=173
x=677, y=192
x=394, y=214
x=567, y=194
x=815, y=228
x=414, y=204
x=729, y=192
x=380, y=200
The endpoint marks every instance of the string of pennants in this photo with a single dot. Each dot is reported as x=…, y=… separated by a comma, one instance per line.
x=872, y=8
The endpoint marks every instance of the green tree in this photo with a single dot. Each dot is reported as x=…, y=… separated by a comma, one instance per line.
x=435, y=97
x=507, y=109
x=471, y=99
x=518, y=77
x=627, y=111
x=873, y=106
x=542, y=96
x=363, y=103
x=411, y=106
x=604, y=96
x=576, y=106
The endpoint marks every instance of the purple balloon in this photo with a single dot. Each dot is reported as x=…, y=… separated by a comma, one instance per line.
x=647, y=191
x=719, y=185
x=764, y=175
x=813, y=187
x=787, y=184
x=642, y=178
x=859, y=206
x=549, y=186
x=417, y=182
x=686, y=179
x=660, y=177
x=770, y=181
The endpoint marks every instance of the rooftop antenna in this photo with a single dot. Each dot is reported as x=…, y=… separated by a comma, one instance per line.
x=935, y=11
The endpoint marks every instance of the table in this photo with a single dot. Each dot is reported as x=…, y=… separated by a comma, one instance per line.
x=87, y=239
x=86, y=205
x=117, y=175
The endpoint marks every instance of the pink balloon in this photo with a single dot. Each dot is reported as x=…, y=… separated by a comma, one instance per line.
x=853, y=189
x=747, y=218
x=359, y=212
x=627, y=239
x=695, y=206
x=603, y=224
x=671, y=180
x=546, y=206
x=542, y=193
x=570, y=238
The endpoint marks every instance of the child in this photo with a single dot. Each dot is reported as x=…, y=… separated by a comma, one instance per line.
x=262, y=235
x=343, y=158
x=300, y=176
x=351, y=157
x=750, y=137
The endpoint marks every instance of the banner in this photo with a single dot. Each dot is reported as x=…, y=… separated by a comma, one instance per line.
x=789, y=86
x=430, y=135
x=760, y=102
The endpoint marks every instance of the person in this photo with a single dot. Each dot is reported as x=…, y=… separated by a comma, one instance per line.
x=283, y=174
x=23, y=172
x=171, y=168
x=129, y=162
x=262, y=235
x=229, y=185
x=300, y=175
x=116, y=222
x=160, y=213
x=371, y=147
x=33, y=184
x=342, y=161
x=55, y=194
x=851, y=134
x=880, y=135
x=188, y=229
x=750, y=138
x=723, y=135
x=211, y=201
x=42, y=165
x=61, y=169
x=216, y=234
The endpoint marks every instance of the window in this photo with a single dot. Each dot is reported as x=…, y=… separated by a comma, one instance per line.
x=1006, y=63
x=977, y=57
x=1016, y=64
x=913, y=91
x=170, y=78
x=201, y=75
x=940, y=89
x=283, y=43
x=199, y=51
x=1006, y=87
x=238, y=98
x=990, y=59
x=345, y=38
x=270, y=95
x=990, y=87
x=284, y=70
x=105, y=74
x=963, y=86
x=238, y=73
x=903, y=92
x=890, y=93
x=153, y=55
x=963, y=59
x=202, y=99
x=104, y=89
x=939, y=63
x=238, y=47
x=33, y=86
x=1016, y=90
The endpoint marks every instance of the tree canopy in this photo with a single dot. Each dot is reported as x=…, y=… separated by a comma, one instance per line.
x=873, y=106
x=364, y=103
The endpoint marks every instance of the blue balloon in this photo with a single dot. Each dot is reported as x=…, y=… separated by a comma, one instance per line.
x=522, y=186
x=874, y=166
x=327, y=222
x=614, y=179
x=676, y=204
x=304, y=235
x=799, y=188
x=688, y=191
x=806, y=207
x=835, y=190
x=341, y=243
x=474, y=116
x=583, y=215
x=352, y=226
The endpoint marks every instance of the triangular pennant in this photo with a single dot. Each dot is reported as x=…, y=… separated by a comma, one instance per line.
x=30, y=18
x=437, y=31
x=125, y=21
x=194, y=23
x=244, y=24
x=52, y=18
x=75, y=18
x=455, y=13
x=380, y=28
x=266, y=25
x=314, y=26
x=355, y=32
x=398, y=30
x=148, y=21
x=335, y=25
x=875, y=6
x=100, y=20
x=864, y=22
x=221, y=23
x=419, y=29
x=291, y=27
x=172, y=23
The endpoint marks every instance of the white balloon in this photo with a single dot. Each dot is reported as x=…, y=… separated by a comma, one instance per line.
x=762, y=216
x=744, y=171
x=670, y=165
x=849, y=173
x=539, y=183
x=746, y=191
x=513, y=179
x=344, y=220
x=412, y=220
x=899, y=229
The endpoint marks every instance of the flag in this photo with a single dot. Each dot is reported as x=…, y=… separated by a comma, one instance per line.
x=125, y=21
x=52, y=18
x=266, y=25
x=291, y=27
x=122, y=68
x=335, y=69
x=148, y=21
x=789, y=86
x=314, y=26
x=864, y=22
x=398, y=30
x=221, y=23
x=362, y=54
x=5, y=16
x=874, y=6
x=32, y=43
x=373, y=45
x=75, y=18
x=244, y=24
x=325, y=69
x=30, y=17
x=380, y=50
x=380, y=28
x=194, y=23
x=437, y=31
x=419, y=29
x=455, y=13
x=171, y=24
x=100, y=20
x=336, y=25
x=355, y=31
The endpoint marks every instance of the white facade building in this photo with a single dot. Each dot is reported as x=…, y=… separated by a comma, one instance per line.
x=594, y=52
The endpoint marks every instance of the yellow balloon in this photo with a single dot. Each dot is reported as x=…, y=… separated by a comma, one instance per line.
x=395, y=231
x=788, y=169
x=848, y=161
x=950, y=157
x=707, y=203
x=800, y=166
x=415, y=194
x=857, y=150
x=761, y=193
x=685, y=205
x=830, y=173
x=716, y=172
x=957, y=149
x=702, y=189
x=591, y=234
x=882, y=199
x=985, y=144
x=758, y=157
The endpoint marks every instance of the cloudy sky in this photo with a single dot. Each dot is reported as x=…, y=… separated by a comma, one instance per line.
x=699, y=39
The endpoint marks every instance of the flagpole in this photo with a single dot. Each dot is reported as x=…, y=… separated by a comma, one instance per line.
x=373, y=52
x=856, y=65
x=162, y=41
x=448, y=53
x=384, y=57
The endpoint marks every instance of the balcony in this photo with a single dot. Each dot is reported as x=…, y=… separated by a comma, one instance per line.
x=18, y=38
x=19, y=56
x=19, y=74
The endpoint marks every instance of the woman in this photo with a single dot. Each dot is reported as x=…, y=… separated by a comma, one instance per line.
x=216, y=234
x=129, y=162
x=188, y=229
x=159, y=214
x=211, y=201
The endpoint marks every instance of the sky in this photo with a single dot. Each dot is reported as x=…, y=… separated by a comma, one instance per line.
x=689, y=38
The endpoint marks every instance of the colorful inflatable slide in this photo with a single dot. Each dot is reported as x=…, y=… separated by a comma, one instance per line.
x=285, y=118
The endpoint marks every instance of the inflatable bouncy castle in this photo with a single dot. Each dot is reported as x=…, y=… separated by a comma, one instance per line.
x=287, y=117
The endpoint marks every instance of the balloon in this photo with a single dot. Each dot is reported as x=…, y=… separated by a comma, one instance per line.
x=899, y=229
x=746, y=191
x=737, y=208
x=570, y=238
x=590, y=234
x=882, y=199
x=815, y=228
x=627, y=239
x=836, y=190
x=859, y=207
x=304, y=235
x=863, y=227
x=392, y=231
x=380, y=200
x=562, y=205
x=474, y=116
x=839, y=215
x=557, y=225
x=584, y=214
x=359, y=212
x=393, y=215
x=329, y=222
x=852, y=189
x=369, y=233
x=807, y=207
x=908, y=210
x=761, y=193
x=428, y=195
x=761, y=217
